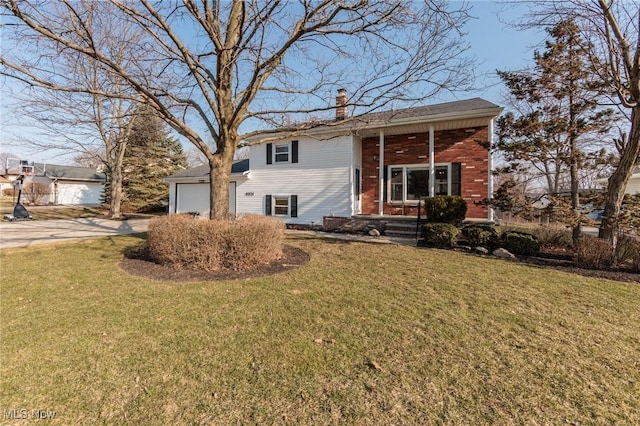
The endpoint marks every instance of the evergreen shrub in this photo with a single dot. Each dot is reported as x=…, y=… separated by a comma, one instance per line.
x=445, y=209
x=215, y=245
x=481, y=235
x=440, y=234
x=521, y=243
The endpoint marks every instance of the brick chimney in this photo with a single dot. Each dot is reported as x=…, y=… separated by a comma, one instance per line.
x=341, y=105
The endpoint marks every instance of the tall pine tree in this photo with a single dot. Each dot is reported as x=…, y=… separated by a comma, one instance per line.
x=151, y=155
x=560, y=119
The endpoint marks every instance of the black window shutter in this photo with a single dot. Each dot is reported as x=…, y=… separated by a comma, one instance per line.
x=269, y=153
x=384, y=180
x=456, y=175
x=294, y=151
x=267, y=205
x=294, y=206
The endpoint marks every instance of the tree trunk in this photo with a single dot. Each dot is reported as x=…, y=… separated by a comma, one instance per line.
x=220, y=165
x=618, y=181
x=115, y=193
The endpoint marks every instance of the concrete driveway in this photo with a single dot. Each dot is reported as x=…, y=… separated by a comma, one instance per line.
x=28, y=233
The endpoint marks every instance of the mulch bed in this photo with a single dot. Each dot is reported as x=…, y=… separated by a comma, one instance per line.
x=568, y=266
x=137, y=262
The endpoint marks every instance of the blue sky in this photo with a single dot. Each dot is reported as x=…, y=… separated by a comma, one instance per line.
x=492, y=41
x=498, y=46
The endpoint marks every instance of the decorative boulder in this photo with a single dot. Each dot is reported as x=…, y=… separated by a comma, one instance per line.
x=503, y=254
x=374, y=232
x=480, y=250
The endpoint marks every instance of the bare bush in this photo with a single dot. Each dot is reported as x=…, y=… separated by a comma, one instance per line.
x=553, y=236
x=35, y=192
x=593, y=253
x=9, y=192
x=215, y=245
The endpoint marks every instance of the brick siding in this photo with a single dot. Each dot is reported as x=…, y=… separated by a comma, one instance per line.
x=465, y=146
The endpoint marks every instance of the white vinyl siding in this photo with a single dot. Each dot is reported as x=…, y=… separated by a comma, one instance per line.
x=321, y=179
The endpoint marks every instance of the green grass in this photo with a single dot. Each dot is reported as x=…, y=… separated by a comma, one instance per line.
x=459, y=339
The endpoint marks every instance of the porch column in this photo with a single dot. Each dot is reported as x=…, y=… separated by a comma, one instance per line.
x=490, y=212
x=381, y=174
x=432, y=164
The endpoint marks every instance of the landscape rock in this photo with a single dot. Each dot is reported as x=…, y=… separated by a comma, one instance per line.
x=503, y=254
x=374, y=233
x=480, y=250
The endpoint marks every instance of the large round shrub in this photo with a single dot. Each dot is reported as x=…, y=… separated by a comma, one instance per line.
x=214, y=245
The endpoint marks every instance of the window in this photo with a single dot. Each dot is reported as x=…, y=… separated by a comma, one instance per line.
x=417, y=183
x=280, y=206
x=397, y=184
x=408, y=183
x=282, y=153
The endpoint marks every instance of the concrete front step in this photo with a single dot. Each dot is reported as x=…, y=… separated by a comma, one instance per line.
x=403, y=229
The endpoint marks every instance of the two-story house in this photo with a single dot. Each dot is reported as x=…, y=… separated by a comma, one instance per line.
x=377, y=164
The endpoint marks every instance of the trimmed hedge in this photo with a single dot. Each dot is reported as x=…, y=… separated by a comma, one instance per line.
x=214, y=245
x=442, y=235
x=481, y=235
x=445, y=209
x=521, y=243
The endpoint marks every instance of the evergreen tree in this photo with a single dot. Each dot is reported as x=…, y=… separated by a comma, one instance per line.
x=151, y=155
x=560, y=118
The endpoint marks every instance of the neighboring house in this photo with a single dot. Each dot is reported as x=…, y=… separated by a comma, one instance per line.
x=69, y=184
x=633, y=186
x=5, y=184
x=376, y=164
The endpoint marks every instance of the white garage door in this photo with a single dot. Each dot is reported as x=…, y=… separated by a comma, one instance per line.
x=79, y=193
x=194, y=197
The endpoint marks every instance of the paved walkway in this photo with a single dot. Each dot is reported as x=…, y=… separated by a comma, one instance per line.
x=28, y=233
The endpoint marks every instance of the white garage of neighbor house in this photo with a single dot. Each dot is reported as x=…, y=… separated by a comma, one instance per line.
x=189, y=189
x=69, y=184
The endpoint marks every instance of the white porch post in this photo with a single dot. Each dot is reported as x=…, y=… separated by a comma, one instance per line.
x=381, y=174
x=432, y=167
x=490, y=212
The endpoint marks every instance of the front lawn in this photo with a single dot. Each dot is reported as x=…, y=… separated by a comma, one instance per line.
x=49, y=212
x=362, y=334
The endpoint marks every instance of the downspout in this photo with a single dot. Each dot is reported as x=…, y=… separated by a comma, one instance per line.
x=351, y=172
x=490, y=212
x=381, y=174
x=432, y=163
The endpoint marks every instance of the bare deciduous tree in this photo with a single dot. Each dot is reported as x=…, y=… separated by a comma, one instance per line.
x=75, y=102
x=220, y=65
